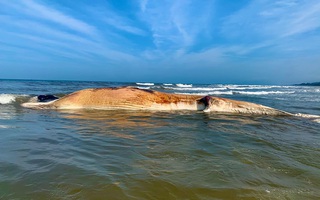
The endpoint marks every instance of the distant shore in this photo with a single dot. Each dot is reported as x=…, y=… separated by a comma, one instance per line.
x=309, y=84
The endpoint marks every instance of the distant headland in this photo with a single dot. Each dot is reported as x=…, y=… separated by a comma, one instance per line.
x=309, y=84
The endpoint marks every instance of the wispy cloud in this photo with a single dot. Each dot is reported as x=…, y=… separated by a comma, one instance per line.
x=143, y=5
x=159, y=35
x=48, y=13
x=175, y=24
x=70, y=37
x=192, y=20
x=115, y=20
x=302, y=20
x=273, y=19
x=120, y=24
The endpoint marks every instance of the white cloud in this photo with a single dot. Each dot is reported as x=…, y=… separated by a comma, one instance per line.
x=274, y=28
x=305, y=18
x=42, y=37
x=44, y=12
x=143, y=5
x=173, y=34
x=120, y=23
x=176, y=26
x=262, y=19
x=43, y=40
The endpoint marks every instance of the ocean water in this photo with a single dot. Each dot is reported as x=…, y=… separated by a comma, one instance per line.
x=92, y=154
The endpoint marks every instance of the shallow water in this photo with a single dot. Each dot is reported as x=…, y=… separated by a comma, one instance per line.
x=91, y=154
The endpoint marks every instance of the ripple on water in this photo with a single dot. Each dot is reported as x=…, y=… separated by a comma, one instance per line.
x=158, y=155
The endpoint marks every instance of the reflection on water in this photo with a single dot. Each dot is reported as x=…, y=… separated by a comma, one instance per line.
x=124, y=118
x=158, y=155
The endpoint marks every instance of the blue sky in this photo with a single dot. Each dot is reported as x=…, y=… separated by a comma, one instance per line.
x=207, y=41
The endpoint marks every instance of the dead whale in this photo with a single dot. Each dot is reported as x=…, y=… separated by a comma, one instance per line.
x=141, y=99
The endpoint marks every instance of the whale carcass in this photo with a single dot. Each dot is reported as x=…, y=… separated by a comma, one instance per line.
x=142, y=99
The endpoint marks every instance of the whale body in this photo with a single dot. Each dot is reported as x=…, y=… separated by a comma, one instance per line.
x=141, y=99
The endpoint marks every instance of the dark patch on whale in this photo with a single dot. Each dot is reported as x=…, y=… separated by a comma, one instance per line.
x=46, y=98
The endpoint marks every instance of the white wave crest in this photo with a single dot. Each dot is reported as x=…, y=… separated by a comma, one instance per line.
x=307, y=116
x=7, y=98
x=253, y=87
x=263, y=92
x=222, y=91
x=183, y=85
x=196, y=89
x=10, y=98
x=146, y=84
x=4, y=126
x=167, y=84
x=207, y=93
x=144, y=88
x=315, y=118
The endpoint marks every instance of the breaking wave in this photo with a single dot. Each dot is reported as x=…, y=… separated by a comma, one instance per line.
x=143, y=88
x=231, y=92
x=183, y=85
x=4, y=126
x=11, y=98
x=263, y=92
x=145, y=84
x=315, y=118
x=253, y=87
x=265, y=88
x=208, y=93
x=7, y=98
x=194, y=89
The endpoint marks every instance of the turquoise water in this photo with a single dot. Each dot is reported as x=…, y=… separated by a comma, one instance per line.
x=92, y=154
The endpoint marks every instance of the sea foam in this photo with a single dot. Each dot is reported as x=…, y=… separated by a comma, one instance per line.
x=183, y=85
x=207, y=93
x=221, y=91
x=7, y=98
x=143, y=88
x=10, y=98
x=196, y=88
x=145, y=84
x=315, y=118
x=4, y=126
x=263, y=92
